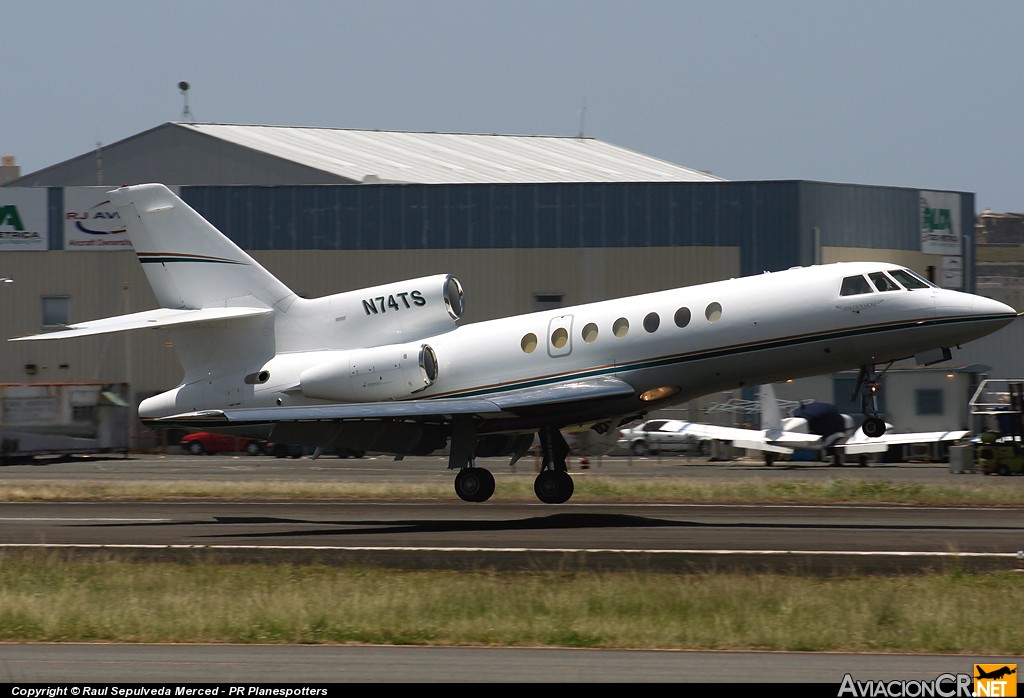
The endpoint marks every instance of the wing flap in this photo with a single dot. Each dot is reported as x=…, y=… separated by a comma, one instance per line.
x=426, y=408
x=148, y=319
x=561, y=393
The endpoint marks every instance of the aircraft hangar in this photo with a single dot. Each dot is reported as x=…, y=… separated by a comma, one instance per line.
x=524, y=222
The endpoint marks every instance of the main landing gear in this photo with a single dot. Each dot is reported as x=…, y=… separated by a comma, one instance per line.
x=867, y=386
x=474, y=484
x=552, y=486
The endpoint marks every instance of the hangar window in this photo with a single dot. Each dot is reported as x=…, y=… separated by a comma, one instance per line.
x=620, y=328
x=547, y=301
x=590, y=333
x=882, y=282
x=929, y=401
x=682, y=317
x=529, y=343
x=713, y=312
x=854, y=285
x=55, y=311
x=652, y=322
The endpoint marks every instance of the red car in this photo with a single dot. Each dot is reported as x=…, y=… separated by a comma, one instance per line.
x=209, y=443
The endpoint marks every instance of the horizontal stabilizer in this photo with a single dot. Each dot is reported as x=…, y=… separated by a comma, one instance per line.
x=738, y=437
x=860, y=443
x=160, y=317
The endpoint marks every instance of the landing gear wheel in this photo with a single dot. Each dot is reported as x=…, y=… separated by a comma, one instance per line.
x=873, y=427
x=474, y=484
x=553, y=487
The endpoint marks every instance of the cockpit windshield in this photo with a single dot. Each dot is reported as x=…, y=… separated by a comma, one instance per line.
x=910, y=280
x=854, y=285
x=883, y=281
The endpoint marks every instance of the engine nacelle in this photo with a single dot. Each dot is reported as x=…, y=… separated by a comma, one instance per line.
x=378, y=373
x=400, y=311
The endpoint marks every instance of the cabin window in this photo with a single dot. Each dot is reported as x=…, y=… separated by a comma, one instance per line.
x=713, y=312
x=882, y=282
x=620, y=328
x=590, y=333
x=909, y=279
x=652, y=322
x=682, y=317
x=559, y=338
x=529, y=343
x=854, y=285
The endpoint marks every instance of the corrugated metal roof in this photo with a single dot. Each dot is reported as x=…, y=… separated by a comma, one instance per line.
x=451, y=158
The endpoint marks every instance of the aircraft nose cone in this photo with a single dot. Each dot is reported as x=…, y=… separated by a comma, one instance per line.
x=994, y=314
x=956, y=302
x=990, y=306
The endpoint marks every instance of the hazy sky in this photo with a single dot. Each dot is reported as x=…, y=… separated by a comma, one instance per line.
x=910, y=93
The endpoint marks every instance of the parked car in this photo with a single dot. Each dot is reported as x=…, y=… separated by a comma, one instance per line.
x=656, y=435
x=209, y=443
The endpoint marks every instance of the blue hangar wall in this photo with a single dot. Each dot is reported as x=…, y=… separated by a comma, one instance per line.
x=773, y=224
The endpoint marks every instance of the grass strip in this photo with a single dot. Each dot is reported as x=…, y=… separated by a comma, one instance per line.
x=588, y=489
x=48, y=597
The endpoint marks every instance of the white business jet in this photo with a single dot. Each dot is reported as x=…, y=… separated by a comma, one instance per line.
x=813, y=426
x=389, y=369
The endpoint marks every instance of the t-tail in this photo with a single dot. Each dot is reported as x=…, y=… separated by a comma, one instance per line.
x=188, y=262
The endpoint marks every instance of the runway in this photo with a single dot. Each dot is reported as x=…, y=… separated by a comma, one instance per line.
x=669, y=537
x=522, y=534
x=505, y=535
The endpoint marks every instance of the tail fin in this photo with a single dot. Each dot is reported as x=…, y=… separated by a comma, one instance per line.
x=771, y=414
x=188, y=262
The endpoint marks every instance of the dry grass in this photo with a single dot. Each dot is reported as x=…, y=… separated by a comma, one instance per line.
x=46, y=597
x=591, y=489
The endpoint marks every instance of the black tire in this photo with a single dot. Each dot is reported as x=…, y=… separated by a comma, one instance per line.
x=253, y=448
x=553, y=486
x=639, y=448
x=873, y=427
x=196, y=448
x=474, y=484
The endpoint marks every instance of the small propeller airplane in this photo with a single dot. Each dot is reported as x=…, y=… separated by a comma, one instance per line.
x=813, y=426
x=389, y=369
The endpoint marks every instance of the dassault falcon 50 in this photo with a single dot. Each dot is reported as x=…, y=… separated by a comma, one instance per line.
x=390, y=369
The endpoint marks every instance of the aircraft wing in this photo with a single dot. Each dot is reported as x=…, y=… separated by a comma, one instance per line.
x=860, y=443
x=753, y=439
x=160, y=317
x=427, y=408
